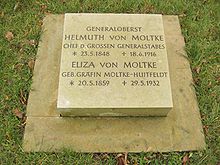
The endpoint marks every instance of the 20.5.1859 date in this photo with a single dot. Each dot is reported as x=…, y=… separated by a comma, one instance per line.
x=90, y=83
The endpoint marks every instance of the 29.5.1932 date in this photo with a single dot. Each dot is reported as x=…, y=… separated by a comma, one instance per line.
x=134, y=83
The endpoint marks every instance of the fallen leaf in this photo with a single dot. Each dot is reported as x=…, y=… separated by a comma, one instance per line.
x=196, y=80
x=197, y=69
x=47, y=12
x=40, y=23
x=209, y=84
x=2, y=14
x=218, y=79
x=26, y=33
x=204, y=61
x=121, y=159
x=135, y=162
x=205, y=128
x=6, y=97
x=18, y=113
x=105, y=156
x=213, y=94
x=16, y=6
x=22, y=98
x=31, y=64
x=43, y=7
x=32, y=42
x=185, y=159
x=23, y=121
x=18, y=66
x=9, y=35
x=190, y=154
x=126, y=157
x=182, y=15
x=63, y=1
x=7, y=135
x=9, y=82
x=203, y=117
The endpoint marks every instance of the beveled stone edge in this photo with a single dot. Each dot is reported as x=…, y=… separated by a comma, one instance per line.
x=114, y=112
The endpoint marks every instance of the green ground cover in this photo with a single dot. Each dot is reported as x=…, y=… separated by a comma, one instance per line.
x=20, y=29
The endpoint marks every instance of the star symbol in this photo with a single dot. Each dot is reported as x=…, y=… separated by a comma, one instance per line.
x=71, y=82
x=74, y=53
x=123, y=53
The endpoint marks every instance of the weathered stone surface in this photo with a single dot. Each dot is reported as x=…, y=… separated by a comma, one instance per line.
x=127, y=76
x=181, y=130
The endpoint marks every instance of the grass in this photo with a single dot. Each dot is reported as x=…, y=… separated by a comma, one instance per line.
x=200, y=22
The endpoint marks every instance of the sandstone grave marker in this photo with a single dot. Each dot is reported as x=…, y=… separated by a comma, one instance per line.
x=46, y=131
x=114, y=65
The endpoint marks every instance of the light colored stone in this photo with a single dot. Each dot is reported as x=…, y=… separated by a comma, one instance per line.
x=123, y=93
x=181, y=130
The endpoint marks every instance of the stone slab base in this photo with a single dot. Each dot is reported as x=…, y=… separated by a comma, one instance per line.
x=45, y=130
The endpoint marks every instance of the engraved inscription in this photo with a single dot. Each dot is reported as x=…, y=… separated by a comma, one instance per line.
x=124, y=59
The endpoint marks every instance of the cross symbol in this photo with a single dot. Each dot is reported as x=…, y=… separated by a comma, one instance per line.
x=123, y=53
x=124, y=82
x=71, y=82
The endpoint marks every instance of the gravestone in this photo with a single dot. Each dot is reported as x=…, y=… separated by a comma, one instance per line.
x=46, y=130
x=114, y=65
